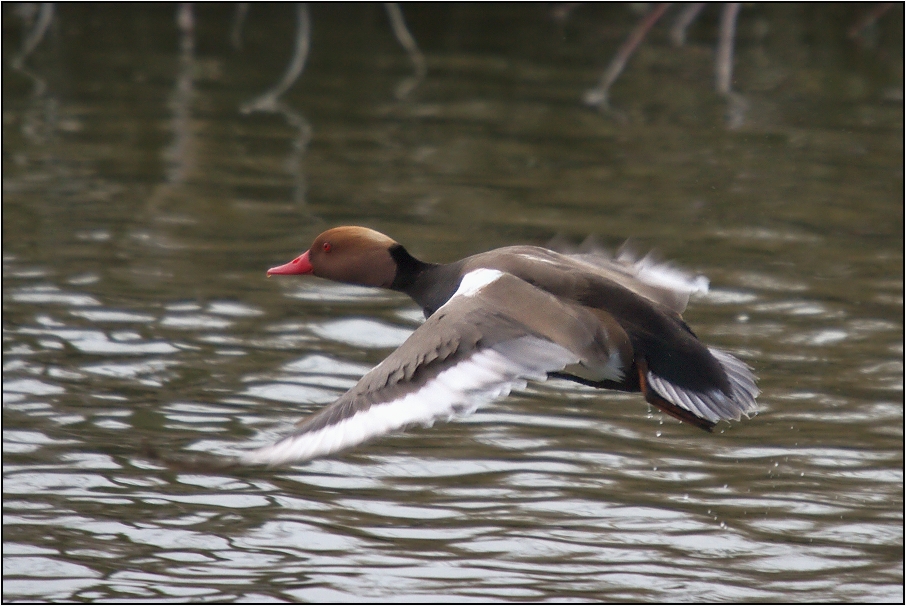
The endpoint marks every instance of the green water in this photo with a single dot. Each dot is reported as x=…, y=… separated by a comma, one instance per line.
x=141, y=209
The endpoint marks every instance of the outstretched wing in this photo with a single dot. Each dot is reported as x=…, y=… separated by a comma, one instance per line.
x=467, y=353
x=716, y=404
x=657, y=281
x=491, y=337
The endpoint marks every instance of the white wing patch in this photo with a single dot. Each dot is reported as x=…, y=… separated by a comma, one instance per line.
x=474, y=281
x=485, y=375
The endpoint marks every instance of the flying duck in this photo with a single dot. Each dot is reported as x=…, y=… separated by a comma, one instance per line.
x=498, y=319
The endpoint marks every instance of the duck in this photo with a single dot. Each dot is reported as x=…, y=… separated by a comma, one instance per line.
x=498, y=319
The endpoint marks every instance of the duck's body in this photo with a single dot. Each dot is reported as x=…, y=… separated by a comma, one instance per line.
x=497, y=319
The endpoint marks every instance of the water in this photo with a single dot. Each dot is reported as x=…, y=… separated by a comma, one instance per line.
x=141, y=210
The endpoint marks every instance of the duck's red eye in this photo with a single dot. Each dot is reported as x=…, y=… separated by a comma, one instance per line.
x=326, y=246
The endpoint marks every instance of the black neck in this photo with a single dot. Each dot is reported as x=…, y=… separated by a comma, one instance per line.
x=408, y=268
x=429, y=284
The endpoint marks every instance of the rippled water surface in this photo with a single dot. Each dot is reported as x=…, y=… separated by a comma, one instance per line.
x=141, y=209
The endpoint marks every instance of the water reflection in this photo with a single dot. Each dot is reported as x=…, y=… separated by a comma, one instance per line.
x=136, y=310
